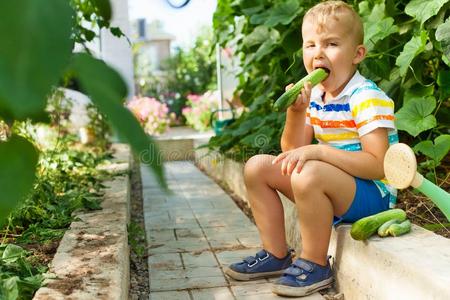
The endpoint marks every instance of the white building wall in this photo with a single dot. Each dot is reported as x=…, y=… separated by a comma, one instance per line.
x=117, y=52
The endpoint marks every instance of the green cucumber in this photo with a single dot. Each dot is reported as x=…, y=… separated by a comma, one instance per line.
x=399, y=229
x=383, y=229
x=289, y=97
x=365, y=227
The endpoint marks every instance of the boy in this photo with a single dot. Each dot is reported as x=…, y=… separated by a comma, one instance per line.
x=353, y=121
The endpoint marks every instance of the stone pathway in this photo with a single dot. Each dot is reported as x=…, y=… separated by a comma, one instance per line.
x=194, y=232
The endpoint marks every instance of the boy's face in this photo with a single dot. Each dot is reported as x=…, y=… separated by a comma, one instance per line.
x=333, y=47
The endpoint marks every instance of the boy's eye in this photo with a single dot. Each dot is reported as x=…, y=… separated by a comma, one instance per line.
x=332, y=44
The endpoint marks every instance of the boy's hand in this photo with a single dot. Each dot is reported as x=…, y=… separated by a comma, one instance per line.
x=296, y=158
x=302, y=101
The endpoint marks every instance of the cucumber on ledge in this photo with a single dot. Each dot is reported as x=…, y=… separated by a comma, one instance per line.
x=365, y=227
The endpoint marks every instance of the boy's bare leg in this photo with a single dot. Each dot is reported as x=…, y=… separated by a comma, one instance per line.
x=262, y=179
x=320, y=190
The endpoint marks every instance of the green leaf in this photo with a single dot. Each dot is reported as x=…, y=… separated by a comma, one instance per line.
x=12, y=253
x=379, y=30
x=418, y=91
x=283, y=13
x=443, y=82
x=423, y=10
x=415, y=115
x=36, y=48
x=436, y=151
x=108, y=90
x=258, y=36
x=413, y=47
x=443, y=36
x=18, y=160
x=103, y=8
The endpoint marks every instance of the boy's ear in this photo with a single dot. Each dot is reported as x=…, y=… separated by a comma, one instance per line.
x=360, y=54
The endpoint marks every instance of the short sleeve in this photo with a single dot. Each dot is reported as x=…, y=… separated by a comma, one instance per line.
x=308, y=116
x=372, y=109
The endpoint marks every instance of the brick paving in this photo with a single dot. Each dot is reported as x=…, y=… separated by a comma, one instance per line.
x=192, y=234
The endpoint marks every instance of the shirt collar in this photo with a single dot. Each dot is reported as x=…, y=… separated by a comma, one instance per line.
x=355, y=81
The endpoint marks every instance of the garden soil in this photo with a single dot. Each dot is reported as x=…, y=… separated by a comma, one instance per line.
x=139, y=277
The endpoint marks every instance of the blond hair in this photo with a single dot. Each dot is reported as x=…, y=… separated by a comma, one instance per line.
x=336, y=9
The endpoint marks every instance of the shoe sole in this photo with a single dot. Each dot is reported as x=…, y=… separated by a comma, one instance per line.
x=245, y=277
x=285, y=290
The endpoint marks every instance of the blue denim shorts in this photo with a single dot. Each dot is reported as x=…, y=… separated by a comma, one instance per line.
x=368, y=201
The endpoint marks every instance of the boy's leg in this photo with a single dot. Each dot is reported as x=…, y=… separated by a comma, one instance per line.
x=321, y=191
x=262, y=179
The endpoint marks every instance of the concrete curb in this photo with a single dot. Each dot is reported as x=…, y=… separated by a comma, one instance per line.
x=92, y=260
x=414, y=266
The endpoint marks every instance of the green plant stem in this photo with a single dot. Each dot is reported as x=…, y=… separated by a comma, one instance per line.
x=386, y=52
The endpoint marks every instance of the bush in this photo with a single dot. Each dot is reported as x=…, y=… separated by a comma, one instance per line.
x=151, y=113
x=199, y=108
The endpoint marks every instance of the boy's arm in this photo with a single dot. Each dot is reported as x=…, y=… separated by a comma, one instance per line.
x=365, y=164
x=296, y=132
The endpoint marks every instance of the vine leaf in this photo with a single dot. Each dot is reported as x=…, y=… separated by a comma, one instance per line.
x=415, y=115
x=443, y=36
x=413, y=47
x=35, y=50
x=18, y=160
x=423, y=10
x=108, y=95
x=104, y=9
x=436, y=151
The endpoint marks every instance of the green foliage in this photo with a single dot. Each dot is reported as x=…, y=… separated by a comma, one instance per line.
x=136, y=238
x=18, y=277
x=34, y=60
x=13, y=167
x=409, y=57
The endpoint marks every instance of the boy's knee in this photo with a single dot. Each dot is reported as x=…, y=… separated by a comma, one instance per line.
x=255, y=165
x=308, y=178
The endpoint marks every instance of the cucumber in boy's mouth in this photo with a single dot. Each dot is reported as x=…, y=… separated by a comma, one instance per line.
x=289, y=97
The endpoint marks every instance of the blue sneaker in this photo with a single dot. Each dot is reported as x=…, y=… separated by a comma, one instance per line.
x=262, y=265
x=304, y=277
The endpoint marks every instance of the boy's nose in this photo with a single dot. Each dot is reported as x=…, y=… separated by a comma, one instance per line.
x=319, y=52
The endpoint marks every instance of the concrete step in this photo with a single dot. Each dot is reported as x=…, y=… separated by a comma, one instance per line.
x=92, y=260
x=413, y=266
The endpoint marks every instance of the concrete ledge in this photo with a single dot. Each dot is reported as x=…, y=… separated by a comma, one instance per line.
x=414, y=266
x=92, y=260
x=178, y=143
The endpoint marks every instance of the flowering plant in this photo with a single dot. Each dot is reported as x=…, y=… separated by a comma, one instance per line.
x=199, y=108
x=151, y=113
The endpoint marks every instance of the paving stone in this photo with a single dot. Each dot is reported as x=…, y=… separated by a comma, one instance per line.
x=250, y=241
x=232, y=221
x=187, y=283
x=194, y=272
x=162, y=218
x=190, y=234
x=212, y=231
x=212, y=294
x=170, y=261
x=171, y=295
x=183, y=213
x=177, y=246
x=172, y=224
x=222, y=244
x=204, y=259
x=158, y=236
x=263, y=292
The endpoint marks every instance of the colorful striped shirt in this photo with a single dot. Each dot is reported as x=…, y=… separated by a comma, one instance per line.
x=360, y=108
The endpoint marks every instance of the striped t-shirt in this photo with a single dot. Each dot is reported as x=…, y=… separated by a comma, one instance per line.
x=360, y=108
